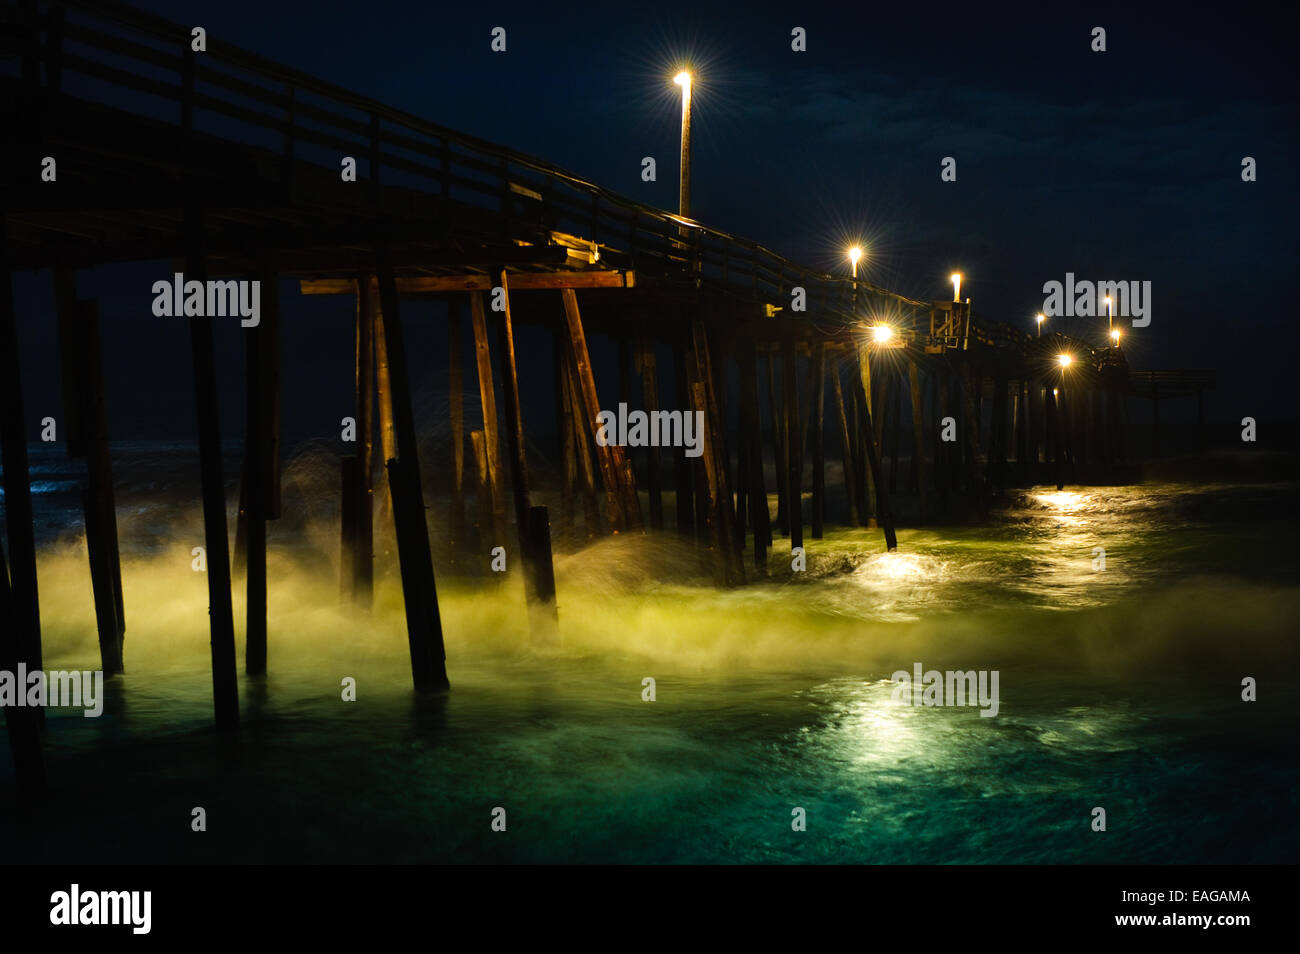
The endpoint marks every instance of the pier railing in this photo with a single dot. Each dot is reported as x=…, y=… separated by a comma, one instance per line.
x=107, y=51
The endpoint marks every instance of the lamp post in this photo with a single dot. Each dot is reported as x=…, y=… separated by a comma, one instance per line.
x=956, y=286
x=683, y=79
x=1040, y=318
x=855, y=253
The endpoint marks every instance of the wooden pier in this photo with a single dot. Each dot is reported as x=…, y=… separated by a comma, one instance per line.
x=232, y=166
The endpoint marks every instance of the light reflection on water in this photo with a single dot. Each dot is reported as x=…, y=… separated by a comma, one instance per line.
x=1117, y=688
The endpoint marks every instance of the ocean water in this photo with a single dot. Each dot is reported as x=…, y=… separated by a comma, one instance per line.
x=1119, y=688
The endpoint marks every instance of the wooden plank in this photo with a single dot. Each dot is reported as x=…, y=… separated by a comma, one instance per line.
x=519, y=281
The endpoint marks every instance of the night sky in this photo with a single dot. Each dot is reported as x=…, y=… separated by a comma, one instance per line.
x=1117, y=165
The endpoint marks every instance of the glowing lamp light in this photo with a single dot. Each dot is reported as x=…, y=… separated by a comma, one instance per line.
x=1064, y=360
x=882, y=333
x=683, y=78
x=956, y=286
x=855, y=254
x=1114, y=335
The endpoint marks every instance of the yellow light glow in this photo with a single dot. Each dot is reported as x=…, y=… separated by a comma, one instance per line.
x=855, y=253
x=882, y=333
x=1107, y=299
x=956, y=286
x=1115, y=335
x=1040, y=318
x=683, y=78
x=1064, y=360
x=1055, y=392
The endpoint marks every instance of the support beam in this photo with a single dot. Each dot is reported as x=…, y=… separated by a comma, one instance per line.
x=918, y=437
x=225, y=691
x=884, y=511
x=794, y=458
x=261, y=462
x=519, y=281
x=519, y=459
x=817, y=374
x=645, y=359
x=423, y=619
x=86, y=435
x=621, y=500
x=846, y=452
x=456, y=413
x=488, y=403
x=363, y=574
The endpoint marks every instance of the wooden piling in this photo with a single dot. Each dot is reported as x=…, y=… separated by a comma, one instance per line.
x=482, y=498
x=683, y=480
x=387, y=432
x=348, y=503
x=86, y=435
x=543, y=613
x=918, y=437
x=817, y=373
x=261, y=438
x=456, y=413
x=621, y=500
x=363, y=573
x=722, y=508
x=868, y=479
x=220, y=613
x=751, y=421
x=25, y=602
x=792, y=442
x=423, y=619
x=884, y=509
x=488, y=403
x=846, y=452
x=646, y=364
x=24, y=729
x=515, y=441
x=780, y=426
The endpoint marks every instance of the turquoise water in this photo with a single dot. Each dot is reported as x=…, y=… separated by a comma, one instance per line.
x=1119, y=688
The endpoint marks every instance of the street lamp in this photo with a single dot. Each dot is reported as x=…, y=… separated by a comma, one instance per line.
x=1064, y=360
x=882, y=334
x=1040, y=318
x=1114, y=336
x=683, y=79
x=956, y=286
x=855, y=253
